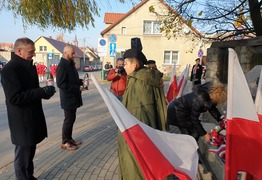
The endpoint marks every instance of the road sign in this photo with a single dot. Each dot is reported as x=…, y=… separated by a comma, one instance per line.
x=50, y=56
x=102, y=47
x=112, y=38
x=102, y=42
x=112, y=49
x=200, y=53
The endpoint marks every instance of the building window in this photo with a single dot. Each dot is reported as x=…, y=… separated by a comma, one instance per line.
x=123, y=30
x=42, y=48
x=171, y=57
x=152, y=27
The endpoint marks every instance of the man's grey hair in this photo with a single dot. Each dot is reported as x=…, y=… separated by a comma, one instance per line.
x=23, y=42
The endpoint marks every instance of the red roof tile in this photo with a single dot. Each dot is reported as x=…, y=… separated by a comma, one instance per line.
x=123, y=17
x=112, y=17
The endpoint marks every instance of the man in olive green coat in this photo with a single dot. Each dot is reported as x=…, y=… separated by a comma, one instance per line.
x=144, y=98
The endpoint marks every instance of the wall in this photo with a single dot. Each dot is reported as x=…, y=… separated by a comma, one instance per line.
x=154, y=45
x=246, y=50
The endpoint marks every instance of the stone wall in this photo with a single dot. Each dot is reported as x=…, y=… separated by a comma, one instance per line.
x=217, y=54
x=217, y=64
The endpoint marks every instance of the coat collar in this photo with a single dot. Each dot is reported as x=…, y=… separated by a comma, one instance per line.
x=69, y=62
x=22, y=61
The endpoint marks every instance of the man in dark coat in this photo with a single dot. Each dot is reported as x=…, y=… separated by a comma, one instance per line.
x=67, y=79
x=196, y=73
x=24, y=106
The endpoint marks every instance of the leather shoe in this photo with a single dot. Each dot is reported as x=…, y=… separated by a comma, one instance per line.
x=75, y=143
x=68, y=146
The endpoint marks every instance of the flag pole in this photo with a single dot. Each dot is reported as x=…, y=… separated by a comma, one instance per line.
x=231, y=60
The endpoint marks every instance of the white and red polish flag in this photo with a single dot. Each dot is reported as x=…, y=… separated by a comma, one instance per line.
x=172, y=89
x=182, y=80
x=258, y=100
x=244, y=137
x=176, y=86
x=159, y=154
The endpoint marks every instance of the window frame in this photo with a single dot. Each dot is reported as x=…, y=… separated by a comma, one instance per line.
x=42, y=48
x=172, y=53
x=152, y=23
x=123, y=30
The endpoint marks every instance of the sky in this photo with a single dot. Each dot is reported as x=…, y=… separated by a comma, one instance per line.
x=12, y=29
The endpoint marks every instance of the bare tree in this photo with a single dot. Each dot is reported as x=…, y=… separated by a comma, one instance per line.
x=216, y=19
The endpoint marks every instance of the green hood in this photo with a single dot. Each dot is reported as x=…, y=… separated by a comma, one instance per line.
x=151, y=76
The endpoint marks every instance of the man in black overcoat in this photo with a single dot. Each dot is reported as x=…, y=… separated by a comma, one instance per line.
x=24, y=106
x=70, y=88
x=196, y=73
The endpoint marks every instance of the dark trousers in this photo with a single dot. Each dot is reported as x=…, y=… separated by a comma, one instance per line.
x=23, y=164
x=67, y=130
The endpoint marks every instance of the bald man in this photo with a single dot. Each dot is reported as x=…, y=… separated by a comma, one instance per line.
x=69, y=84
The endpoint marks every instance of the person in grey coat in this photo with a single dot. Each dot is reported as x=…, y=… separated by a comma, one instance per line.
x=23, y=97
x=70, y=88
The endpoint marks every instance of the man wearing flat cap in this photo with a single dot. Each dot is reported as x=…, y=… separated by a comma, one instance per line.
x=196, y=73
x=151, y=64
x=144, y=98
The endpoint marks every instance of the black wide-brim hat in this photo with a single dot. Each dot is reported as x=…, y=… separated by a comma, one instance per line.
x=134, y=53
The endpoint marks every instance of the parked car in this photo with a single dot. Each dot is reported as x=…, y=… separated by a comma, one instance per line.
x=87, y=68
x=94, y=68
x=99, y=67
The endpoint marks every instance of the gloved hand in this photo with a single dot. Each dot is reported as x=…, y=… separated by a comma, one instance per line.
x=49, y=91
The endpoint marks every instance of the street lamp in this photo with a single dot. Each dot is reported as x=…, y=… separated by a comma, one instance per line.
x=84, y=52
x=84, y=55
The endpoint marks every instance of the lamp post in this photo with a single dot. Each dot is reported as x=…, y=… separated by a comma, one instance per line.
x=84, y=52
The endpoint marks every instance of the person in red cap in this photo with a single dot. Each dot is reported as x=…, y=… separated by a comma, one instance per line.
x=118, y=77
x=144, y=98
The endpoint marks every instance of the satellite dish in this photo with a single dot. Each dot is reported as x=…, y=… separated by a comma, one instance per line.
x=186, y=30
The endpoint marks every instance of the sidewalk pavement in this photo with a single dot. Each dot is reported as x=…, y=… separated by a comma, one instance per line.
x=96, y=159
